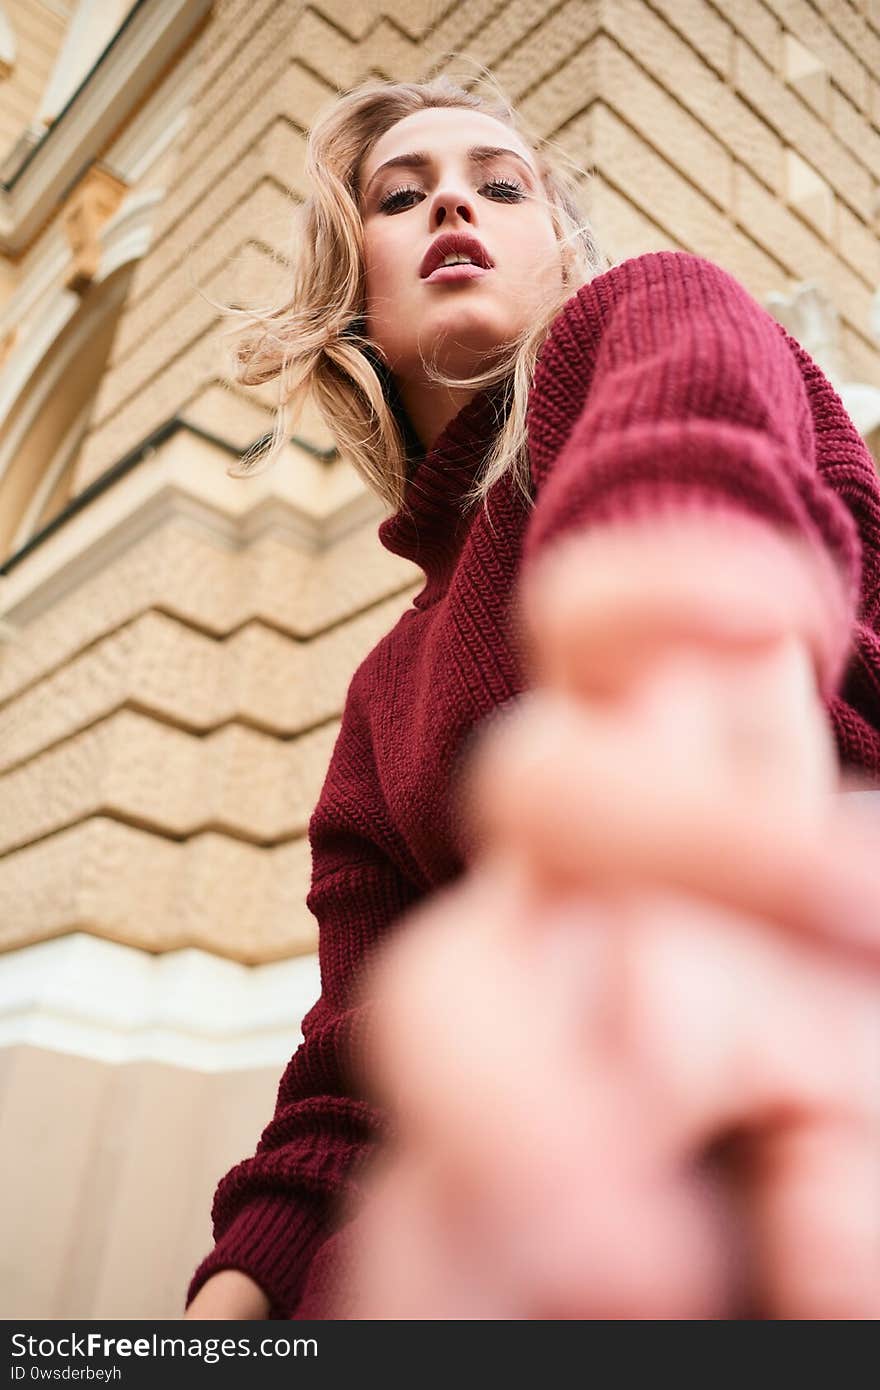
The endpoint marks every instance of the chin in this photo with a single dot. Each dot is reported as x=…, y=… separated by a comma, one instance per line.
x=463, y=339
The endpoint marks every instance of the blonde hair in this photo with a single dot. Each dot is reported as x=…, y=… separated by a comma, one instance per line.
x=314, y=343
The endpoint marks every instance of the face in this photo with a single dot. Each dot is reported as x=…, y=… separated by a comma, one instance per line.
x=454, y=320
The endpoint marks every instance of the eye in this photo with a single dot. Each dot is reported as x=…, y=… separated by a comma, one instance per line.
x=511, y=189
x=396, y=198
x=507, y=190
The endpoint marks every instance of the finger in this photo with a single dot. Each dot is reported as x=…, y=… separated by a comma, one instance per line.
x=411, y=1254
x=482, y=1046
x=724, y=1027
x=816, y=1214
x=561, y=1155
x=661, y=1247
x=592, y=802
x=751, y=717
x=602, y=604
x=686, y=1014
x=723, y=1023
x=451, y=999
x=552, y=1179
x=497, y=1056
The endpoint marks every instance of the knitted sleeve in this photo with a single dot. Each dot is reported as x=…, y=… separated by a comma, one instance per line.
x=274, y=1211
x=664, y=385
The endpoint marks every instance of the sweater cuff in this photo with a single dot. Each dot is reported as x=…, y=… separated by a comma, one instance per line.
x=273, y=1240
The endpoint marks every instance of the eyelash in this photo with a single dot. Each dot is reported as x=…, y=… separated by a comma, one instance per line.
x=511, y=185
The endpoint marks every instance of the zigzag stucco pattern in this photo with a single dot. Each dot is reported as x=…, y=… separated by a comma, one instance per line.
x=156, y=664
x=264, y=214
x=128, y=885
x=130, y=767
x=178, y=572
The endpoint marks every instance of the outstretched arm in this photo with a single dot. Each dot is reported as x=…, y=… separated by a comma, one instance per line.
x=665, y=388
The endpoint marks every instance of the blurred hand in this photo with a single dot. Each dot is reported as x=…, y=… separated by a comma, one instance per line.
x=665, y=793
x=562, y=1082
x=230, y=1294
x=676, y=730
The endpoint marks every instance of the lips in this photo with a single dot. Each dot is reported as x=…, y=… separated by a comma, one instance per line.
x=454, y=244
x=456, y=273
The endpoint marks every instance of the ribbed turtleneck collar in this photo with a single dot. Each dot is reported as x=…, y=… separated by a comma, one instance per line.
x=430, y=527
x=433, y=531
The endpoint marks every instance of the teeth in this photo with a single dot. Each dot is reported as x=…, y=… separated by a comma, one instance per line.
x=457, y=260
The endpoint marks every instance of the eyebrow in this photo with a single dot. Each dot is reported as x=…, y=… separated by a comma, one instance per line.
x=418, y=159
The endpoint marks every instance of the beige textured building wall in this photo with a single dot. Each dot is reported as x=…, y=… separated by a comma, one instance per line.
x=177, y=644
x=35, y=33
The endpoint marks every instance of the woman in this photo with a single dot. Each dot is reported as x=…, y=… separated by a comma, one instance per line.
x=669, y=517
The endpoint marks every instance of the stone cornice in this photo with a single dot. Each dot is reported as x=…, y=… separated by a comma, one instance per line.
x=147, y=41
x=180, y=471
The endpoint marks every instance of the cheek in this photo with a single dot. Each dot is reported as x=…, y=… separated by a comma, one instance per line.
x=384, y=263
x=551, y=270
x=373, y=272
x=547, y=255
x=527, y=243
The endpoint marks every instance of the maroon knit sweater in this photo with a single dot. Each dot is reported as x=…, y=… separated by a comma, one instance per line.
x=662, y=385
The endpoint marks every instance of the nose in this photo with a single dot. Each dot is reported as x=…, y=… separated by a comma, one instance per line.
x=449, y=204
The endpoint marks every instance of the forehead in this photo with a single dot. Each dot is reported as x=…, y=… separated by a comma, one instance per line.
x=441, y=130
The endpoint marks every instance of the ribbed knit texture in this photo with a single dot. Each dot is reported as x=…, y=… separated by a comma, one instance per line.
x=662, y=385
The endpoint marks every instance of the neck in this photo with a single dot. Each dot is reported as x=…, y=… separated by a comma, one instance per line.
x=430, y=407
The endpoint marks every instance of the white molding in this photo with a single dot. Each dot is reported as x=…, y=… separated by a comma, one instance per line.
x=39, y=280
x=125, y=238
x=71, y=442
x=23, y=368
x=120, y=81
x=136, y=214
x=8, y=49
x=81, y=995
x=862, y=402
x=810, y=314
x=127, y=235
x=159, y=121
x=147, y=145
x=136, y=150
x=92, y=26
